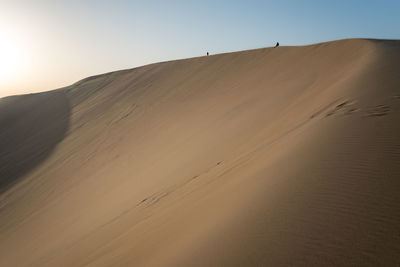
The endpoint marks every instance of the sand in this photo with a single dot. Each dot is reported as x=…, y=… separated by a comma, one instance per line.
x=284, y=156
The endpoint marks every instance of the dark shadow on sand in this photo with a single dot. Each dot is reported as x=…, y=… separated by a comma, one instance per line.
x=30, y=128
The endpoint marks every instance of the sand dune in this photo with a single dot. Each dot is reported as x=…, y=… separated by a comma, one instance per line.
x=284, y=156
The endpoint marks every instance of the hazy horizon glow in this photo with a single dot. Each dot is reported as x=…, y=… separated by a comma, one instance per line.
x=50, y=44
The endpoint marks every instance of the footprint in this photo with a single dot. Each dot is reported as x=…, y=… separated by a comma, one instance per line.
x=152, y=199
x=126, y=113
x=344, y=107
x=380, y=110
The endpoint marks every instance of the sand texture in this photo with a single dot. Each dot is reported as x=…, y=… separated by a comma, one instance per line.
x=284, y=156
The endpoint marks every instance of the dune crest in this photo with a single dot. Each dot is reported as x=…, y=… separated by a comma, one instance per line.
x=284, y=156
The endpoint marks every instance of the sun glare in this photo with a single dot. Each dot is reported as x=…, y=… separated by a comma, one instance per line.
x=10, y=58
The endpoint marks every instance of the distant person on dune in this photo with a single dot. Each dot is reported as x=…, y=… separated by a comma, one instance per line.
x=208, y=54
x=277, y=44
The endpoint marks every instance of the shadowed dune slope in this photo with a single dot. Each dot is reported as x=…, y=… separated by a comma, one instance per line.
x=284, y=156
x=31, y=126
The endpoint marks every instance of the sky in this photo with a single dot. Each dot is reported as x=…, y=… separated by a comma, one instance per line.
x=48, y=44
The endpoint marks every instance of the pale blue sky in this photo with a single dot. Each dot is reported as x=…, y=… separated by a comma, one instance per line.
x=61, y=42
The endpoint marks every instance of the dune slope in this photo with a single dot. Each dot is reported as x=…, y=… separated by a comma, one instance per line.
x=284, y=156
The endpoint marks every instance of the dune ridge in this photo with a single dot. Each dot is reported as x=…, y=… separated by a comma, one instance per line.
x=284, y=156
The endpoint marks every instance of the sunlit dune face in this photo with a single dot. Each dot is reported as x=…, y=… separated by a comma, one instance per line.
x=10, y=58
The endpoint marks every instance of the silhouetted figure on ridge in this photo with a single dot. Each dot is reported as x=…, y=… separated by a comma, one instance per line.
x=277, y=44
x=208, y=54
